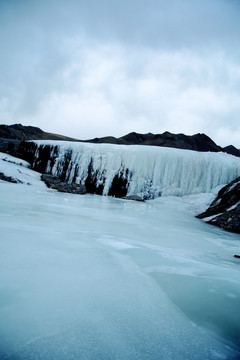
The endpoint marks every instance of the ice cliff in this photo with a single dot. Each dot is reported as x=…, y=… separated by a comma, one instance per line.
x=127, y=170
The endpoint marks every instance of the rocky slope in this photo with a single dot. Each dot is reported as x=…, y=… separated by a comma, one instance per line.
x=12, y=137
x=224, y=211
x=20, y=132
x=198, y=142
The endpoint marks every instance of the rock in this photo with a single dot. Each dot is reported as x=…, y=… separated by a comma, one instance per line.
x=237, y=256
x=229, y=220
x=133, y=197
x=224, y=211
x=50, y=180
x=53, y=182
x=9, y=179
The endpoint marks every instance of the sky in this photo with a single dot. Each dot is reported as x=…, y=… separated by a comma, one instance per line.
x=107, y=67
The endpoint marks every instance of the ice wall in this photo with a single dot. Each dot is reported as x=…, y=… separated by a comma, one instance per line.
x=126, y=170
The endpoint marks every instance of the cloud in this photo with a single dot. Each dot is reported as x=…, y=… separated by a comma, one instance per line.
x=88, y=69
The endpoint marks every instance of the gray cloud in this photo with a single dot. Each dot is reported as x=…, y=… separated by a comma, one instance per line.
x=94, y=68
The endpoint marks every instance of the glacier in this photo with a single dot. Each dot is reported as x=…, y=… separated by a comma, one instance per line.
x=95, y=277
x=147, y=171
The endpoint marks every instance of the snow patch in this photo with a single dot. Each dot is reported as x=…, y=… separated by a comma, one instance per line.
x=234, y=206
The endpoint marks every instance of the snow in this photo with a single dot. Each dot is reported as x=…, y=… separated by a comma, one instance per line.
x=208, y=218
x=150, y=171
x=92, y=277
x=19, y=170
x=13, y=160
x=233, y=206
x=232, y=186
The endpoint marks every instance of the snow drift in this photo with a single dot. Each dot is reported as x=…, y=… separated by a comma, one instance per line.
x=129, y=170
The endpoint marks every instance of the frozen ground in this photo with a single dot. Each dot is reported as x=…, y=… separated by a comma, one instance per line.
x=90, y=277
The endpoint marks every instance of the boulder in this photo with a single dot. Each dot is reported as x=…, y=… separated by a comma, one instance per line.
x=53, y=182
x=133, y=197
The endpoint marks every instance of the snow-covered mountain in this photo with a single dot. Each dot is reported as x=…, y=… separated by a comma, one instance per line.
x=95, y=277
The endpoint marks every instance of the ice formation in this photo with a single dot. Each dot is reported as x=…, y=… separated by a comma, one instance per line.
x=93, y=277
x=127, y=170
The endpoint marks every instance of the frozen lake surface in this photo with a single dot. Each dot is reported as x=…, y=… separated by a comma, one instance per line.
x=91, y=277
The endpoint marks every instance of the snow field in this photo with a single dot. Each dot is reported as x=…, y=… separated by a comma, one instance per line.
x=91, y=277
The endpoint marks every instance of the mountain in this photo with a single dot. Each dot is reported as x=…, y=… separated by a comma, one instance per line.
x=20, y=132
x=230, y=149
x=198, y=142
x=10, y=135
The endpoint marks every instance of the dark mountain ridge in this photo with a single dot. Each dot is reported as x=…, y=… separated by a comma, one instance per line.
x=12, y=135
x=20, y=132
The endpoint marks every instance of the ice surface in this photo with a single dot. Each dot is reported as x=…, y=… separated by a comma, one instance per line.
x=91, y=277
x=19, y=170
x=150, y=171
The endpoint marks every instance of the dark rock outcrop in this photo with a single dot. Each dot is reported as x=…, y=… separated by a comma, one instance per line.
x=229, y=220
x=54, y=182
x=9, y=179
x=224, y=211
x=133, y=197
x=10, y=146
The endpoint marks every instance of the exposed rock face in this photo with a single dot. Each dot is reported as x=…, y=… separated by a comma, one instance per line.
x=54, y=182
x=224, y=211
x=9, y=146
x=229, y=220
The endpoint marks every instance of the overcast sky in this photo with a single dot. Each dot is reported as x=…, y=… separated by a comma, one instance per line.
x=91, y=68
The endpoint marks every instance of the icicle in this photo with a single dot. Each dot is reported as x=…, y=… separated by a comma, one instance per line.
x=137, y=170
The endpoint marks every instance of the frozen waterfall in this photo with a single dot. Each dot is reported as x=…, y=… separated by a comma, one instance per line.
x=148, y=171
